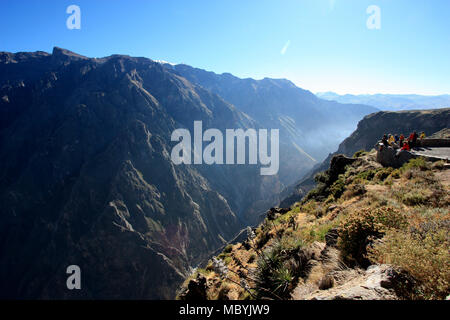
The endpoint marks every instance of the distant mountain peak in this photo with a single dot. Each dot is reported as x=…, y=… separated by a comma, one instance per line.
x=60, y=52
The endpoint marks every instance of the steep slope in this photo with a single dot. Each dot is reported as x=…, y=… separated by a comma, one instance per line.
x=310, y=128
x=370, y=130
x=366, y=232
x=86, y=177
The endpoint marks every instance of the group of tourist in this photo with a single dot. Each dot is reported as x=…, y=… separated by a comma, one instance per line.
x=399, y=142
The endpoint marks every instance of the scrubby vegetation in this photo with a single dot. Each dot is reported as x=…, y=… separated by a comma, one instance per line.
x=379, y=216
x=362, y=227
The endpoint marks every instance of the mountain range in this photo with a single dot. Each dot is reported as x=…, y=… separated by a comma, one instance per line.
x=87, y=179
x=391, y=102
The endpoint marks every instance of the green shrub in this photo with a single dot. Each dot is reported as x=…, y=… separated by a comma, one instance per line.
x=227, y=260
x=338, y=187
x=263, y=239
x=354, y=190
x=322, y=177
x=426, y=258
x=395, y=174
x=419, y=163
x=414, y=197
x=278, y=269
x=309, y=207
x=319, y=193
x=382, y=174
x=228, y=248
x=359, y=153
x=282, y=279
x=367, y=175
x=361, y=227
x=438, y=165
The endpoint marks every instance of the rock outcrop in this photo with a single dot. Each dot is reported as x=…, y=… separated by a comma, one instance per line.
x=370, y=130
x=375, y=283
x=195, y=290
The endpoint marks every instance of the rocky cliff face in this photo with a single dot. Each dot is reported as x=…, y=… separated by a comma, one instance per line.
x=86, y=177
x=372, y=127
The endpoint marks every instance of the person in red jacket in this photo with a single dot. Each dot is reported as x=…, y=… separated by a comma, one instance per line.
x=406, y=146
x=412, y=139
x=401, y=139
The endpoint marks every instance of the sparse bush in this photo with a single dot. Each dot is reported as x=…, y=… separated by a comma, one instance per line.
x=395, y=174
x=359, y=153
x=439, y=165
x=228, y=248
x=309, y=207
x=415, y=197
x=330, y=199
x=278, y=269
x=263, y=239
x=227, y=260
x=322, y=177
x=252, y=258
x=419, y=163
x=354, y=190
x=319, y=193
x=388, y=181
x=282, y=280
x=422, y=190
x=426, y=258
x=382, y=174
x=338, y=187
x=319, y=211
x=423, y=176
x=439, y=198
x=317, y=232
x=361, y=227
x=225, y=288
x=366, y=175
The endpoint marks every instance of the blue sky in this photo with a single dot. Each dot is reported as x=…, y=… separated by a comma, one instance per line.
x=321, y=45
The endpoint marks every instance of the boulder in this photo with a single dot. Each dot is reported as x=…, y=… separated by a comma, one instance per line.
x=378, y=282
x=196, y=290
x=390, y=157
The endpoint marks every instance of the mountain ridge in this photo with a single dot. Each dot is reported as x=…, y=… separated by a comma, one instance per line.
x=87, y=179
x=392, y=102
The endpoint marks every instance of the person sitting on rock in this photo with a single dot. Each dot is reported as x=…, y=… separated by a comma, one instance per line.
x=412, y=139
x=422, y=135
x=406, y=146
x=402, y=138
x=391, y=139
x=385, y=141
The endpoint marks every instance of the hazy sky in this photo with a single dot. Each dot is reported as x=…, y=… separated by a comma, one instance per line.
x=321, y=45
